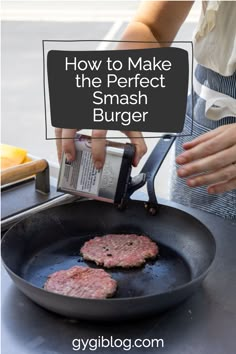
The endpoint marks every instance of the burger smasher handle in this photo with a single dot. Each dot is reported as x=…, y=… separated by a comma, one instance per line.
x=39, y=168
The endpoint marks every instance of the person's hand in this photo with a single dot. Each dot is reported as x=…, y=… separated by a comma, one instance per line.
x=210, y=160
x=98, y=145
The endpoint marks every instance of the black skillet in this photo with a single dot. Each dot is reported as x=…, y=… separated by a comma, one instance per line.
x=51, y=240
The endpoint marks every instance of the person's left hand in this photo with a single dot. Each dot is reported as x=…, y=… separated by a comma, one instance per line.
x=210, y=160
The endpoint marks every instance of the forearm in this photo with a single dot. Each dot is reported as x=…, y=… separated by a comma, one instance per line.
x=138, y=32
x=157, y=22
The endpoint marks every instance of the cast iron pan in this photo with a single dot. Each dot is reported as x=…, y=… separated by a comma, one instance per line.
x=51, y=240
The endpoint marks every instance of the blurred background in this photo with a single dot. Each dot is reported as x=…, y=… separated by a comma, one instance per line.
x=24, y=25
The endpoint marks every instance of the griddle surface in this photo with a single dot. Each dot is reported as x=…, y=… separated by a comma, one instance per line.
x=22, y=197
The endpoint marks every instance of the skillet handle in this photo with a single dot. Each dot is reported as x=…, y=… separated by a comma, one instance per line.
x=153, y=165
x=38, y=167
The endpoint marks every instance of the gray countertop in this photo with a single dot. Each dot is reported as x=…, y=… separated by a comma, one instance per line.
x=204, y=324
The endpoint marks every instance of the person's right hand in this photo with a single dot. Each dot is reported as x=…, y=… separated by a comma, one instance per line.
x=65, y=142
x=210, y=160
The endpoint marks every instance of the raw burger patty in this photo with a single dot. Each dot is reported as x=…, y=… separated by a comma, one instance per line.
x=81, y=282
x=119, y=250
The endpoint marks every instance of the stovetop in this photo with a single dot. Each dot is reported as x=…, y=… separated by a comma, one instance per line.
x=204, y=324
x=21, y=199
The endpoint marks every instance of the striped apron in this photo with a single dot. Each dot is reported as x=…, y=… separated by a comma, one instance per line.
x=224, y=204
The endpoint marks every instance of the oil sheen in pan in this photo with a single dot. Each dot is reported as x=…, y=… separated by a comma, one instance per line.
x=166, y=272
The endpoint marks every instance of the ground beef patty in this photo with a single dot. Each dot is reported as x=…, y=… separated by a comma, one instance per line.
x=119, y=250
x=81, y=282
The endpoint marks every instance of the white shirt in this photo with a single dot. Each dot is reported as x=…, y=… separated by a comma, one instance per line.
x=215, y=37
x=215, y=48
